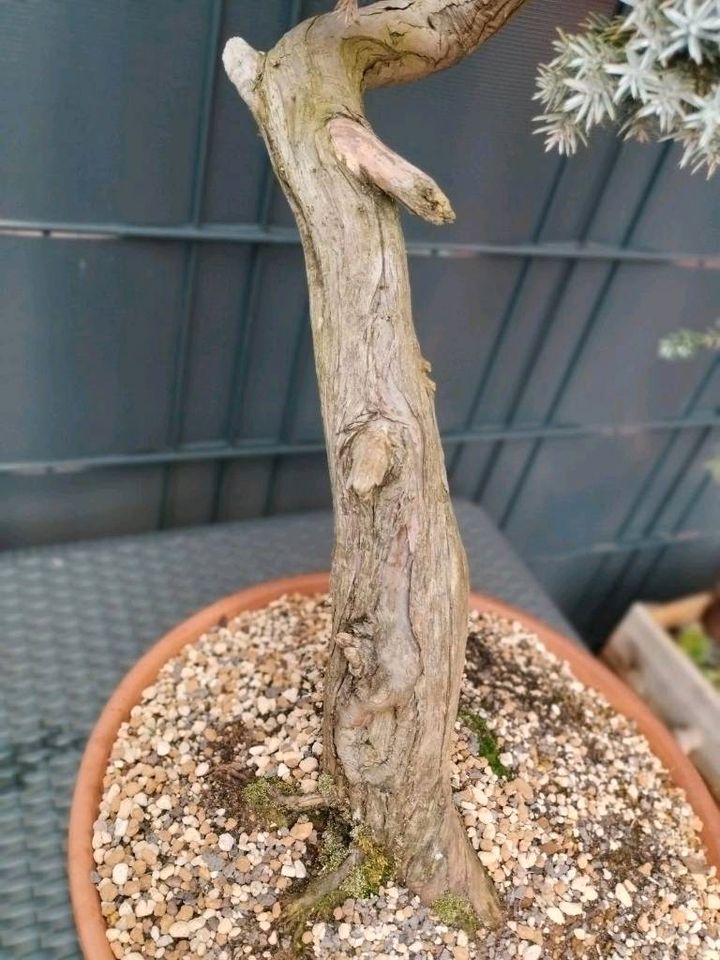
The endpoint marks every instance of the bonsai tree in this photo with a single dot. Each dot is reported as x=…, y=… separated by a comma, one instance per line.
x=399, y=573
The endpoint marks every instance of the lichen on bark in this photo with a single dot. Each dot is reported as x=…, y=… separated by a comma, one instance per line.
x=399, y=574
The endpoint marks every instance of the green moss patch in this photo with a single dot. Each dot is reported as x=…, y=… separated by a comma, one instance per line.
x=487, y=745
x=260, y=798
x=376, y=868
x=455, y=911
x=334, y=844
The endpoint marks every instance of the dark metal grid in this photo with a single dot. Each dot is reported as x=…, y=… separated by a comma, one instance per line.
x=250, y=311
x=300, y=351
x=583, y=339
x=545, y=326
x=257, y=233
x=197, y=195
x=671, y=488
x=261, y=234
x=208, y=452
x=499, y=339
x=673, y=538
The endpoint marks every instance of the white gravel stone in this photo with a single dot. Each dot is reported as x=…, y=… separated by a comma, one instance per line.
x=564, y=834
x=622, y=895
x=226, y=842
x=120, y=873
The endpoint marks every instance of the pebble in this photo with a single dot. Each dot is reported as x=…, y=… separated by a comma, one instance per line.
x=226, y=842
x=570, y=908
x=144, y=908
x=179, y=877
x=120, y=874
x=622, y=895
x=302, y=831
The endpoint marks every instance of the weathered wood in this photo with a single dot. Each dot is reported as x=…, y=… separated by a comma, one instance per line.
x=399, y=578
x=642, y=652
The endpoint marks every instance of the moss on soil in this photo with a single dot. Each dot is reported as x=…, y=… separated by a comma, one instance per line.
x=374, y=869
x=260, y=799
x=456, y=911
x=327, y=788
x=487, y=745
x=334, y=844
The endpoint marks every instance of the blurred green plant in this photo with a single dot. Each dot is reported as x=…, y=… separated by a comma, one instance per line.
x=702, y=650
x=683, y=345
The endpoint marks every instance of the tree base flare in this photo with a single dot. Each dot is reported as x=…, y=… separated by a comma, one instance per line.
x=449, y=866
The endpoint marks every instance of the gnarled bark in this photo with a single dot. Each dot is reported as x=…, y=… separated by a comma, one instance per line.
x=399, y=579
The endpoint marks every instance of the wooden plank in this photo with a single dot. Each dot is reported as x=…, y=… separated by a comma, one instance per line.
x=679, y=612
x=642, y=652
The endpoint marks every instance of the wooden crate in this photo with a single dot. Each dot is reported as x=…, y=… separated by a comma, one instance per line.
x=643, y=653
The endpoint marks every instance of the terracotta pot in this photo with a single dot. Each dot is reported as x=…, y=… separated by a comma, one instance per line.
x=88, y=787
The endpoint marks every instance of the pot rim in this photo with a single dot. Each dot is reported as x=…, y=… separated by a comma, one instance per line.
x=87, y=793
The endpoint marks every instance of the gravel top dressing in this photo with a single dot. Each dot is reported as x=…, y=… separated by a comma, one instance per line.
x=593, y=851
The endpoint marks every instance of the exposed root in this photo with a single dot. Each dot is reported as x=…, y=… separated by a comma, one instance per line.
x=353, y=867
x=317, y=893
x=233, y=771
x=266, y=798
x=326, y=798
x=308, y=801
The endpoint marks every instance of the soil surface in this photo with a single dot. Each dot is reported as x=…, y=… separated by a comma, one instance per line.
x=593, y=850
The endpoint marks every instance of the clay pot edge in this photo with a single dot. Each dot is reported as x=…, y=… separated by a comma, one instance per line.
x=85, y=901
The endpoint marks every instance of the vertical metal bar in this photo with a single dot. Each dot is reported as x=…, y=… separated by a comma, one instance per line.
x=506, y=317
x=301, y=342
x=249, y=309
x=241, y=356
x=582, y=341
x=545, y=326
x=183, y=340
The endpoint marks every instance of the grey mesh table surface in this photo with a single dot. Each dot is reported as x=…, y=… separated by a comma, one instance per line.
x=75, y=617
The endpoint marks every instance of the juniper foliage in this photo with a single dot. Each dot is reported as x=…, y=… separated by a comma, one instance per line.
x=653, y=70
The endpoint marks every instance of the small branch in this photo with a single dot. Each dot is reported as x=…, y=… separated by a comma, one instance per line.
x=402, y=42
x=238, y=772
x=309, y=801
x=350, y=9
x=243, y=65
x=366, y=157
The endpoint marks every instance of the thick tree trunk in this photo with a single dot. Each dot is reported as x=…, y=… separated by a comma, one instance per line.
x=399, y=579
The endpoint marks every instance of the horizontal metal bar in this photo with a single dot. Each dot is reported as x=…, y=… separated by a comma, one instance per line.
x=660, y=541
x=271, y=448
x=253, y=233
